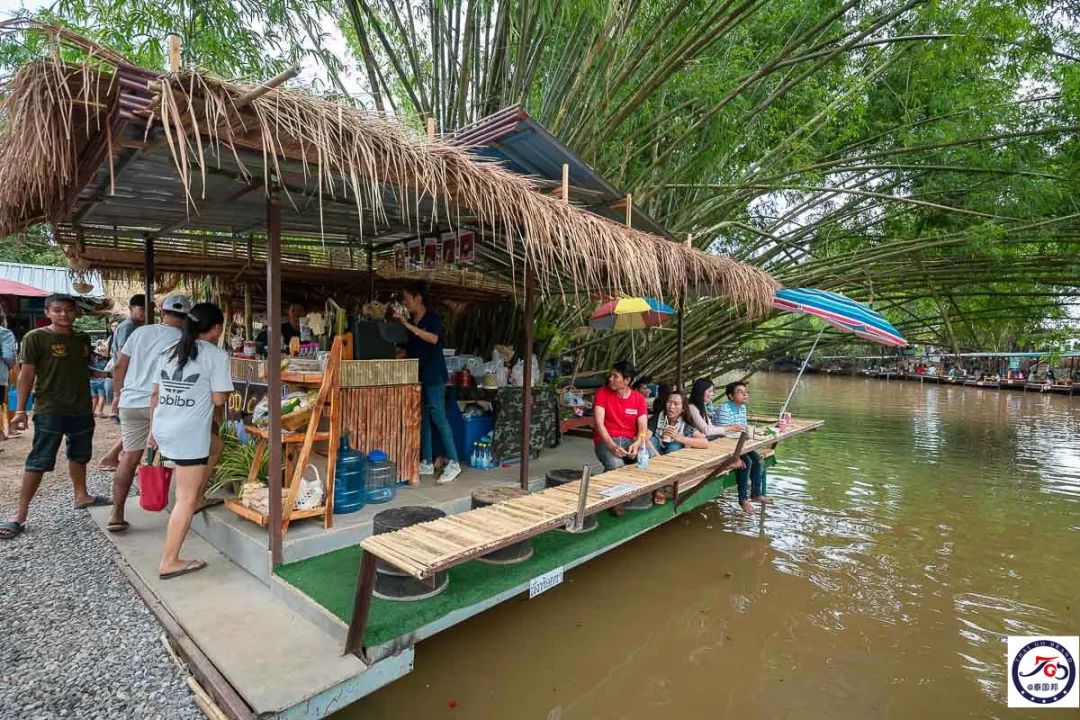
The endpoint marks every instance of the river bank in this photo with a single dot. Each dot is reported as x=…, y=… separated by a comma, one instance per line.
x=75, y=639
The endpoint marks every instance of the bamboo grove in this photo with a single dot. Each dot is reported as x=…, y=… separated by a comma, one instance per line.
x=917, y=155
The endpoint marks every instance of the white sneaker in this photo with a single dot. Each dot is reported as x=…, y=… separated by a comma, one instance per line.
x=426, y=468
x=451, y=471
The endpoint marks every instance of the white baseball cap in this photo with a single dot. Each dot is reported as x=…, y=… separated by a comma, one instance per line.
x=179, y=304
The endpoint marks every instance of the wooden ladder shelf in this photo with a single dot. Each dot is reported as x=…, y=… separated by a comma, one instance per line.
x=298, y=448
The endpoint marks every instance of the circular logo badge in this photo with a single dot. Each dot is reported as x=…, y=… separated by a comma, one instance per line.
x=1043, y=672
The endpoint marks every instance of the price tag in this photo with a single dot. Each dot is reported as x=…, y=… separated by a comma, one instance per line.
x=542, y=583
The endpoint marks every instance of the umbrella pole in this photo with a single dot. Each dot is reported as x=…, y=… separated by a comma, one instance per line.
x=633, y=350
x=799, y=377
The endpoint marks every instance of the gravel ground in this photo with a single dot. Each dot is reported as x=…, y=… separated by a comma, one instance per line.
x=76, y=640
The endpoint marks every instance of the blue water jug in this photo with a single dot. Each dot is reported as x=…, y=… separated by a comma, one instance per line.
x=350, y=475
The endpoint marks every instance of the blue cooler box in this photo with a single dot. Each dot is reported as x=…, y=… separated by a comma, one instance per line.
x=471, y=430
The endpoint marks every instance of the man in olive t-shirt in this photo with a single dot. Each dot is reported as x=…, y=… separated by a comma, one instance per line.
x=56, y=363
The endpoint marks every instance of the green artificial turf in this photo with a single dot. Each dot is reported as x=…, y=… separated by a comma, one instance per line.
x=330, y=579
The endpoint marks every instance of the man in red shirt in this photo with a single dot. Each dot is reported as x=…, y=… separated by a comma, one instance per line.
x=620, y=419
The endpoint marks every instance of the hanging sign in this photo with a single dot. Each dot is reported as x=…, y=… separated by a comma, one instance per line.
x=432, y=253
x=467, y=247
x=415, y=261
x=449, y=248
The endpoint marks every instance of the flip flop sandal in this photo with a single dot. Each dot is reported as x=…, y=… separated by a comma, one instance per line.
x=98, y=501
x=192, y=566
x=121, y=526
x=9, y=529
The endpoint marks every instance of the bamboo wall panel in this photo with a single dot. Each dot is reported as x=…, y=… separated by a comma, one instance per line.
x=385, y=418
x=246, y=369
x=368, y=373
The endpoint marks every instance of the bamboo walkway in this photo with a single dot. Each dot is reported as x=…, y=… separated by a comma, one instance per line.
x=429, y=548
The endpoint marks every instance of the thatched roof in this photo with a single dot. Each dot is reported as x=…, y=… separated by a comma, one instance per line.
x=102, y=148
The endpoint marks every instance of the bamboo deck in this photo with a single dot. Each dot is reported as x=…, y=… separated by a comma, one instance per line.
x=428, y=548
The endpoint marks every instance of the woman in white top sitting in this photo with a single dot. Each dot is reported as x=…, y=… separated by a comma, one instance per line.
x=701, y=396
x=672, y=429
x=192, y=379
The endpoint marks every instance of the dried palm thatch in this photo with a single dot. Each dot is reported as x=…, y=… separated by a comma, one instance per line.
x=61, y=120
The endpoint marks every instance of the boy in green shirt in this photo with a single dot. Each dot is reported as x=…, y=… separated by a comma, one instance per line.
x=56, y=364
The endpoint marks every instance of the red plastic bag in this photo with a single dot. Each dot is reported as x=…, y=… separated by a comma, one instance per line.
x=154, y=484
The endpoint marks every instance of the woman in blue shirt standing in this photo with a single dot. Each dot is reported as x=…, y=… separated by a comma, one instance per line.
x=425, y=344
x=732, y=417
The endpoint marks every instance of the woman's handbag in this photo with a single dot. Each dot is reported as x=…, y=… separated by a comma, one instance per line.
x=154, y=483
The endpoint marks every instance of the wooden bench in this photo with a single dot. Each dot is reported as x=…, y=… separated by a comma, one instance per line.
x=430, y=548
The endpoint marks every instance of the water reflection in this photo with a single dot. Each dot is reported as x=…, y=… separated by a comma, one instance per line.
x=913, y=533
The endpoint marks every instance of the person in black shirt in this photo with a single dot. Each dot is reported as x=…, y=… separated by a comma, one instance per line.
x=289, y=329
x=425, y=344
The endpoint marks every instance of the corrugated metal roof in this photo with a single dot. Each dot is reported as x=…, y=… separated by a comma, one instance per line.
x=51, y=279
x=526, y=147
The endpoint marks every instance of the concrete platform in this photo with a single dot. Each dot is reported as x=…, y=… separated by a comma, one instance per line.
x=280, y=663
x=247, y=544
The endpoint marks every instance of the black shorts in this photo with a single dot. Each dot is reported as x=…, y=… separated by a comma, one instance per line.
x=49, y=430
x=191, y=463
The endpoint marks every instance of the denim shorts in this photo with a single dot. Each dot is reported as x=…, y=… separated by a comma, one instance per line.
x=49, y=430
x=97, y=387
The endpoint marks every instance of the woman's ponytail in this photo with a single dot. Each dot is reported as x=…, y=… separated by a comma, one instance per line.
x=200, y=319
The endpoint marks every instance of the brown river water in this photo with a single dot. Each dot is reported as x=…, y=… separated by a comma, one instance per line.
x=910, y=536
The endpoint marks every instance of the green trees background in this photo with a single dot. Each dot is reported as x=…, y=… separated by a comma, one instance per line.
x=920, y=155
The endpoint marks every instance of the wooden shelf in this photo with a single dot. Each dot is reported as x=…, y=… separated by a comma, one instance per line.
x=286, y=437
x=302, y=378
x=258, y=518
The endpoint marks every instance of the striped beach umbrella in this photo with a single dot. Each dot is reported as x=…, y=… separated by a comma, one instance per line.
x=840, y=312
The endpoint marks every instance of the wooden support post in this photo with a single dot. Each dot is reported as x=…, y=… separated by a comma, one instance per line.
x=365, y=586
x=371, y=271
x=526, y=383
x=148, y=276
x=431, y=128
x=565, y=181
x=725, y=467
x=249, y=320
x=583, y=495
x=273, y=390
x=174, y=53
x=680, y=335
x=629, y=209
x=253, y=95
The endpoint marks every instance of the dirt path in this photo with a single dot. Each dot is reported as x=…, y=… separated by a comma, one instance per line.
x=75, y=638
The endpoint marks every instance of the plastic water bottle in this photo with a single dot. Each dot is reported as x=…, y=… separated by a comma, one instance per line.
x=486, y=459
x=475, y=455
x=643, y=457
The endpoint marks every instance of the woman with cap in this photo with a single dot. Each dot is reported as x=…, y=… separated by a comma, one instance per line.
x=191, y=380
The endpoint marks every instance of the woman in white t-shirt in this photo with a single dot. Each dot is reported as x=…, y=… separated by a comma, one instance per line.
x=192, y=379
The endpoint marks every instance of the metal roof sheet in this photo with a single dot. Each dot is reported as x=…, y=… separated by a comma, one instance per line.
x=511, y=137
x=51, y=279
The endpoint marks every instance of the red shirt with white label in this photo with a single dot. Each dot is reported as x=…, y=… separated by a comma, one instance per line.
x=620, y=414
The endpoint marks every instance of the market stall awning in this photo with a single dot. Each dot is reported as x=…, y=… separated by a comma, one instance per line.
x=10, y=287
x=108, y=151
